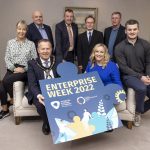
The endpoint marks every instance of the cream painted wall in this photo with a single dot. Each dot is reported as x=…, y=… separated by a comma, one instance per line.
x=13, y=10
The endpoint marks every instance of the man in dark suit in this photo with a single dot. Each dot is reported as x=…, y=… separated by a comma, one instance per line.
x=41, y=68
x=114, y=34
x=37, y=30
x=87, y=41
x=66, y=33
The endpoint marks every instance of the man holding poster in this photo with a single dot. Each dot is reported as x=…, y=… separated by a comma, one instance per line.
x=79, y=105
x=41, y=68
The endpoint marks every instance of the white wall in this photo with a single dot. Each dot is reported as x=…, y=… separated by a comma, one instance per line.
x=13, y=10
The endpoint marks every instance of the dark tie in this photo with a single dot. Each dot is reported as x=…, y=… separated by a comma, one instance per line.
x=90, y=36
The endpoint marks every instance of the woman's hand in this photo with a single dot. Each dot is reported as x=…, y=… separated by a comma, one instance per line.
x=19, y=70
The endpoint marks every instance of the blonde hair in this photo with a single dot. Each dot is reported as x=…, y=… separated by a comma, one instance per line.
x=106, y=55
x=22, y=22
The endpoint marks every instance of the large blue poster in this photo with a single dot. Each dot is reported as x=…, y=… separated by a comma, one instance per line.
x=79, y=105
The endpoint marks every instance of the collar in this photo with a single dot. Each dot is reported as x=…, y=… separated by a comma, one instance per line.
x=115, y=28
x=39, y=27
x=21, y=41
x=42, y=60
x=90, y=31
x=127, y=41
x=68, y=25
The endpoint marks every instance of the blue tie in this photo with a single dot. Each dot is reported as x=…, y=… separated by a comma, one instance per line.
x=90, y=36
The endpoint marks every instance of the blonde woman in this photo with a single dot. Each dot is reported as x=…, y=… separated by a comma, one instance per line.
x=100, y=62
x=18, y=52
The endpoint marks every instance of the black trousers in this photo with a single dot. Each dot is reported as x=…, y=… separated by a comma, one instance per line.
x=7, y=84
x=141, y=90
x=41, y=110
x=70, y=56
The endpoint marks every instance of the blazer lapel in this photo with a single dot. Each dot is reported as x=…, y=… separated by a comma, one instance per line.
x=37, y=31
x=118, y=35
x=93, y=36
x=65, y=30
x=41, y=72
x=86, y=38
x=74, y=32
x=47, y=32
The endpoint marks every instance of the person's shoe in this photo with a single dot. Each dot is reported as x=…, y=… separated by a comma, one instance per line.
x=110, y=130
x=137, y=120
x=45, y=128
x=4, y=114
x=146, y=106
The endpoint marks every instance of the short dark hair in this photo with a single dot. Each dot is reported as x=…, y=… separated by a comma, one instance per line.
x=131, y=22
x=117, y=13
x=68, y=10
x=90, y=16
x=44, y=40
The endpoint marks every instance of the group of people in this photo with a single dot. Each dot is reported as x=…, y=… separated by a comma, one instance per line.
x=31, y=56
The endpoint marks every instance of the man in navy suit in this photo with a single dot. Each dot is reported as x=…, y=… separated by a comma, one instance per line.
x=41, y=68
x=87, y=41
x=114, y=34
x=66, y=33
x=37, y=30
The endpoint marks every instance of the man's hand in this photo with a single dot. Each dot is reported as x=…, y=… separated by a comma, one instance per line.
x=80, y=68
x=19, y=70
x=41, y=99
x=145, y=80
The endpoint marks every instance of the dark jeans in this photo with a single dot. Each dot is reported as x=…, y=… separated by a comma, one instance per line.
x=141, y=90
x=7, y=84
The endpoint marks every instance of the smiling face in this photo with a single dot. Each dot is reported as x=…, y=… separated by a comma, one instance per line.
x=21, y=31
x=132, y=31
x=68, y=17
x=44, y=50
x=37, y=18
x=99, y=54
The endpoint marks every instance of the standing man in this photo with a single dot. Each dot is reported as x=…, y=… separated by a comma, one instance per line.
x=66, y=33
x=87, y=41
x=114, y=34
x=37, y=30
x=41, y=68
x=133, y=58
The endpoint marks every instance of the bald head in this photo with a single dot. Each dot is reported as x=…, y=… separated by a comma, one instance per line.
x=37, y=17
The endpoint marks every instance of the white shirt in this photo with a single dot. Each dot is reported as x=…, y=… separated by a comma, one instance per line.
x=88, y=34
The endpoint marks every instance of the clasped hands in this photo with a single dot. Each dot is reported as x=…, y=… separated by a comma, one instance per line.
x=19, y=70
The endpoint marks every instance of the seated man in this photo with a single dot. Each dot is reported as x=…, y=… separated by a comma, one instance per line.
x=41, y=68
x=133, y=58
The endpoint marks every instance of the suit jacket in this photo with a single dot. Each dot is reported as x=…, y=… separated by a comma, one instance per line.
x=120, y=36
x=34, y=35
x=62, y=40
x=84, y=49
x=36, y=73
